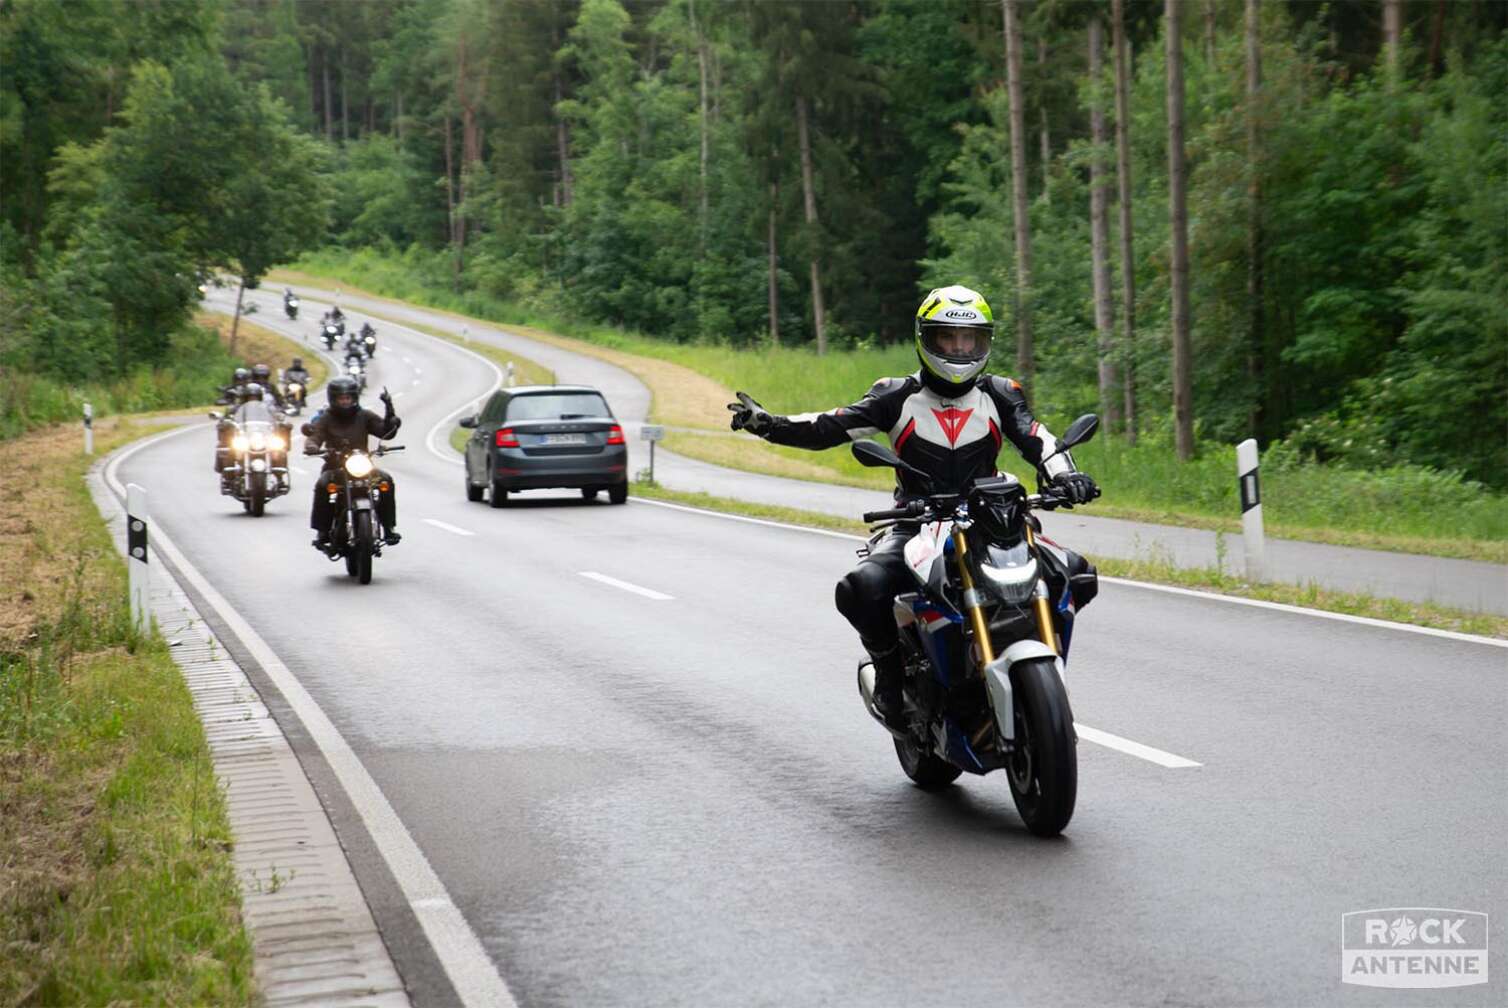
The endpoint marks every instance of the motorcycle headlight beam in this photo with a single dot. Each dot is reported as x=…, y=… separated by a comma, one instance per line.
x=359, y=466
x=275, y=443
x=1010, y=584
x=239, y=442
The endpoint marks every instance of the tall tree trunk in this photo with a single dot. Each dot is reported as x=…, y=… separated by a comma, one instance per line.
x=1178, y=219
x=1209, y=31
x=324, y=69
x=774, y=278
x=450, y=196
x=1123, y=183
x=809, y=197
x=704, y=125
x=1436, y=38
x=1042, y=109
x=345, y=98
x=1254, y=252
x=1392, y=35
x=562, y=134
x=1026, y=364
x=1099, y=234
x=235, y=321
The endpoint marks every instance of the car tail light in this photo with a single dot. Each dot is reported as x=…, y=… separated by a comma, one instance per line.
x=615, y=435
x=506, y=438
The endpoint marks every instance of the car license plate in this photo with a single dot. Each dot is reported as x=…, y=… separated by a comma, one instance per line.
x=565, y=439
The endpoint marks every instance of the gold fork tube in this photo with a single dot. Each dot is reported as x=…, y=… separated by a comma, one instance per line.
x=1039, y=603
x=975, y=611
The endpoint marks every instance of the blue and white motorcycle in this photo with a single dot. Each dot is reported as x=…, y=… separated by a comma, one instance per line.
x=985, y=634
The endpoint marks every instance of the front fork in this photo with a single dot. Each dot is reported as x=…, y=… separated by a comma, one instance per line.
x=974, y=607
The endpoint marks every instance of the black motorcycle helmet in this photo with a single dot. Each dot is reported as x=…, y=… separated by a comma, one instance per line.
x=261, y=374
x=298, y=364
x=345, y=394
x=252, y=391
x=242, y=376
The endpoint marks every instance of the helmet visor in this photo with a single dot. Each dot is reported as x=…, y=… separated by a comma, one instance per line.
x=957, y=344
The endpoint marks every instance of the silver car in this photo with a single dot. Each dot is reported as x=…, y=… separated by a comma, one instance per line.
x=538, y=436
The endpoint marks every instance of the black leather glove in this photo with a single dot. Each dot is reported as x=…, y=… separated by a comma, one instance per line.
x=1076, y=486
x=387, y=400
x=750, y=416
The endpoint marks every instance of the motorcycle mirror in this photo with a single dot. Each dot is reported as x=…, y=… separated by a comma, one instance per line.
x=1079, y=431
x=877, y=456
x=215, y=414
x=468, y=421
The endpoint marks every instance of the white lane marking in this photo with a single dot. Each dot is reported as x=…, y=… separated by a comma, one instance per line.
x=418, y=371
x=437, y=523
x=456, y=945
x=626, y=586
x=1194, y=593
x=1125, y=745
x=415, y=381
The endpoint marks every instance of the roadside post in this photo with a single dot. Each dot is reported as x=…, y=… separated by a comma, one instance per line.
x=136, y=557
x=1251, y=509
x=88, y=429
x=652, y=433
x=508, y=379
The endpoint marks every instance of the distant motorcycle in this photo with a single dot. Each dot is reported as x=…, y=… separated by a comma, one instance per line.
x=356, y=368
x=329, y=334
x=985, y=631
x=369, y=339
x=290, y=305
x=256, y=469
x=356, y=532
x=294, y=395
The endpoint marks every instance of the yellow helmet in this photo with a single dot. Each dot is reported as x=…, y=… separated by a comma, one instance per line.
x=954, y=332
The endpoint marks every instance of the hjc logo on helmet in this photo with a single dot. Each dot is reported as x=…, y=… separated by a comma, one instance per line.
x=966, y=314
x=1413, y=947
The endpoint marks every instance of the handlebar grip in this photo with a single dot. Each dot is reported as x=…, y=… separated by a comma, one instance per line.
x=912, y=510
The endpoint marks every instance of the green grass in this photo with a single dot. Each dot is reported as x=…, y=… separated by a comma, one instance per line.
x=1406, y=509
x=118, y=885
x=1150, y=568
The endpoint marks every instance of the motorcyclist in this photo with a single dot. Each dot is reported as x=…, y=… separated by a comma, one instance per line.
x=262, y=375
x=368, y=338
x=225, y=429
x=230, y=395
x=297, y=374
x=949, y=420
x=345, y=426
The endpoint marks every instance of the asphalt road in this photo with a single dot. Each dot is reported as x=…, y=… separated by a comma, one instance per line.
x=679, y=801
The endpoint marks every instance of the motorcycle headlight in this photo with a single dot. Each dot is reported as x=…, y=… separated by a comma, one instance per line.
x=258, y=442
x=257, y=465
x=1010, y=574
x=275, y=443
x=295, y=387
x=359, y=466
x=293, y=302
x=239, y=442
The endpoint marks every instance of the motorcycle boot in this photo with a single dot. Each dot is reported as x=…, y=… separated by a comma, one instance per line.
x=889, y=676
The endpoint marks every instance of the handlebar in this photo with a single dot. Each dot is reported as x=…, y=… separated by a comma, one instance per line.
x=913, y=510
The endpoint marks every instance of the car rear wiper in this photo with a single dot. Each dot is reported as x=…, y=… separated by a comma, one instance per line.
x=573, y=416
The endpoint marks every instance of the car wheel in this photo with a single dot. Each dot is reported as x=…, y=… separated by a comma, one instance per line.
x=473, y=492
x=617, y=493
x=499, y=496
x=588, y=493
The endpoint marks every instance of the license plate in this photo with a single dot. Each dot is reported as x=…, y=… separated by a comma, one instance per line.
x=565, y=439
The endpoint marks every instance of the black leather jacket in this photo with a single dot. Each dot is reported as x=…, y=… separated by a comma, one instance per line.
x=954, y=441
x=337, y=434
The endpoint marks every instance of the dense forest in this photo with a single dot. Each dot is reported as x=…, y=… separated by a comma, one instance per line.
x=1206, y=219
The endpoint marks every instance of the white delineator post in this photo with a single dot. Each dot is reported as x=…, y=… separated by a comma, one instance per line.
x=136, y=557
x=88, y=429
x=1251, y=509
x=509, y=379
x=652, y=433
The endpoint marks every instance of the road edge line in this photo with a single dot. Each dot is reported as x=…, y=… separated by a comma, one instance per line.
x=455, y=945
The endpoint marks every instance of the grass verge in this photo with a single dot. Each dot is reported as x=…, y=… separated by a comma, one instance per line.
x=1406, y=509
x=256, y=344
x=1151, y=568
x=117, y=885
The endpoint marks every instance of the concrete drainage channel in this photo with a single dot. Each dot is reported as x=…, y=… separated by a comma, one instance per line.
x=314, y=937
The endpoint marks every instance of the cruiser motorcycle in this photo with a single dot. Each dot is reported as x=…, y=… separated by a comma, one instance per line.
x=985, y=634
x=356, y=532
x=294, y=394
x=255, y=466
x=290, y=305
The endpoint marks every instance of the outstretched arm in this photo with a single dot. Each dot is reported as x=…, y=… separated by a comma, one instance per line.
x=870, y=415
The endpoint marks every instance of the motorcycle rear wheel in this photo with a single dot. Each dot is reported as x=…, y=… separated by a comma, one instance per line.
x=1044, y=770
x=925, y=770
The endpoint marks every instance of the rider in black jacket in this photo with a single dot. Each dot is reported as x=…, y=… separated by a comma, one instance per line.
x=950, y=420
x=344, y=426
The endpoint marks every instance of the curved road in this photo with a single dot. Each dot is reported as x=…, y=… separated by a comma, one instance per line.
x=671, y=795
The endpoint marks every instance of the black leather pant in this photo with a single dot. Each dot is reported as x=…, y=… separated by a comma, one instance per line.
x=323, y=512
x=866, y=595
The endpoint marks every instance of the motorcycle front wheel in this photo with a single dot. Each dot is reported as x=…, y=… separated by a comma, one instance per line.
x=1044, y=769
x=362, y=547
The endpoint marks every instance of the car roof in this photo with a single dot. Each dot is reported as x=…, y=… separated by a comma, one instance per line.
x=518, y=390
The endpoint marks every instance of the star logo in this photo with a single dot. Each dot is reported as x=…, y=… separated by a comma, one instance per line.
x=1402, y=931
x=952, y=420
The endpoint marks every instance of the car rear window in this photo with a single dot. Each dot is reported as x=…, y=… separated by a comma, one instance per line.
x=554, y=405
